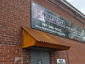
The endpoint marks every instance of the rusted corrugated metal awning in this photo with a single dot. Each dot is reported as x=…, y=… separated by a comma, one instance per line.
x=32, y=37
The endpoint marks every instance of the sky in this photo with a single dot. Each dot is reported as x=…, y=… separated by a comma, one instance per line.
x=79, y=4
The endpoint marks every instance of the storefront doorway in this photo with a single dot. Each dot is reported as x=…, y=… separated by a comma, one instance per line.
x=40, y=56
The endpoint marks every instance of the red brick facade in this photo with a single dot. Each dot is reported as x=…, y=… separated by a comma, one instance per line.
x=16, y=13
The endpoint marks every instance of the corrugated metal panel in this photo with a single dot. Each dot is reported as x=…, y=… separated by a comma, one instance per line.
x=40, y=56
x=43, y=39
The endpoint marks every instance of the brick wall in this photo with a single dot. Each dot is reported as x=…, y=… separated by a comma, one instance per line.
x=75, y=55
x=16, y=13
x=59, y=55
x=26, y=56
x=10, y=54
x=13, y=14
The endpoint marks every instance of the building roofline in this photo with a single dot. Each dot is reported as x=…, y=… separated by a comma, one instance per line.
x=73, y=8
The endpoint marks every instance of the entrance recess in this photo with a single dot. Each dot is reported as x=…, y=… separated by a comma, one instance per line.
x=40, y=56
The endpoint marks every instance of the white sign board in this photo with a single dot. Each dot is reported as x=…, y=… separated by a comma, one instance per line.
x=38, y=12
x=61, y=61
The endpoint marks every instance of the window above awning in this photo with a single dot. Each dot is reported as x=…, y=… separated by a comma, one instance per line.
x=33, y=37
